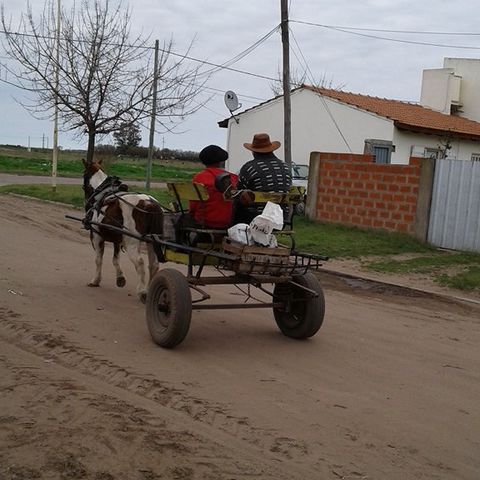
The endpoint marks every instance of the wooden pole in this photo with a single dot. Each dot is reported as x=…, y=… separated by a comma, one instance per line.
x=152, y=119
x=287, y=135
x=55, y=118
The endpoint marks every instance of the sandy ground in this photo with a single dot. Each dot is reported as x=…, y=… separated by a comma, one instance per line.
x=388, y=389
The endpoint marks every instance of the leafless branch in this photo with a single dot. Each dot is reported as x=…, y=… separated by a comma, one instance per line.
x=105, y=76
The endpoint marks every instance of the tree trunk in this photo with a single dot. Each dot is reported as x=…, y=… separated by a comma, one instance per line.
x=91, y=146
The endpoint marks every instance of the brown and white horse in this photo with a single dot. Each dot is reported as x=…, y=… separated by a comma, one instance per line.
x=107, y=202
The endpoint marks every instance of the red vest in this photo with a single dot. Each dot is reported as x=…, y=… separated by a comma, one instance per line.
x=216, y=212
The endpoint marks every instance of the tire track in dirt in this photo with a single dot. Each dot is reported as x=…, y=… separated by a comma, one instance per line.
x=77, y=432
x=214, y=416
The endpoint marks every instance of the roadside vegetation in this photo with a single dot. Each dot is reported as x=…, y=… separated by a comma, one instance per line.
x=466, y=266
x=73, y=194
x=460, y=270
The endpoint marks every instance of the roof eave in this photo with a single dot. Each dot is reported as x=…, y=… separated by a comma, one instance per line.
x=436, y=131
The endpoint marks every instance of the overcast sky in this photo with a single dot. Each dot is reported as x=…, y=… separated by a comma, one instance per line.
x=222, y=29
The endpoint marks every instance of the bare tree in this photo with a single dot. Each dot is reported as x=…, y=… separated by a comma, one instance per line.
x=297, y=79
x=105, y=76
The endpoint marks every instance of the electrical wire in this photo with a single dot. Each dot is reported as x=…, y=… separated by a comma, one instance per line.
x=396, y=40
x=169, y=52
x=312, y=80
x=244, y=53
x=384, y=30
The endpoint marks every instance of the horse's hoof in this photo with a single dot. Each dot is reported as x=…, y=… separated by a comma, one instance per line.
x=121, y=282
x=92, y=284
x=143, y=297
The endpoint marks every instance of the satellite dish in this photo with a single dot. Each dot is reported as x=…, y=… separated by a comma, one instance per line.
x=231, y=101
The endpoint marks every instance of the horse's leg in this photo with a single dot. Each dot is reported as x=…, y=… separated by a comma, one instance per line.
x=152, y=261
x=121, y=281
x=132, y=247
x=99, y=247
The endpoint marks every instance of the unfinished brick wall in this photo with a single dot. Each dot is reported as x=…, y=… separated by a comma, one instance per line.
x=352, y=190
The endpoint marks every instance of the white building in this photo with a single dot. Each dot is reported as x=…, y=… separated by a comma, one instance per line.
x=453, y=89
x=334, y=121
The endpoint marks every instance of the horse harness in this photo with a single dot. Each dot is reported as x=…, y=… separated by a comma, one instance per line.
x=108, y=191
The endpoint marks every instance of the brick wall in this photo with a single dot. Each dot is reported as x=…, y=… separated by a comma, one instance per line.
x=352, y=190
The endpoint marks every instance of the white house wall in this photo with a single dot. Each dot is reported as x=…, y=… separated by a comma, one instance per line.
x=312, y=128
x=469, y=70
x=436, y=90
x=404, y=141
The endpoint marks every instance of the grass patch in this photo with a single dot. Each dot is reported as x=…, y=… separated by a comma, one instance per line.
x=341, y=241
x=435, y=266
x=425, y=264
x=325, y=239
x=332, y=240
x=468, y=280
x=73, y=194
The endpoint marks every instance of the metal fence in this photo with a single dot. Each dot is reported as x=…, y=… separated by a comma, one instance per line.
x=455, y=210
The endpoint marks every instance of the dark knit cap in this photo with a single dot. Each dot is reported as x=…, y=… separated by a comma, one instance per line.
x=213, y=154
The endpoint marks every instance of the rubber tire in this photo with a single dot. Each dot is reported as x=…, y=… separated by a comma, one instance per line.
x=169, y=328
x=305, y=318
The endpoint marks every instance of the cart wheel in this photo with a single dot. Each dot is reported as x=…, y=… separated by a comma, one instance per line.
x=168, y=308
x=301, y=315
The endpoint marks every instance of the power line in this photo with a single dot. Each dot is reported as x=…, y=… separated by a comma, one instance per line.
x=397, y=40
x=245, y=52
x=187, y=57
x=417, y=32
x=240, y=95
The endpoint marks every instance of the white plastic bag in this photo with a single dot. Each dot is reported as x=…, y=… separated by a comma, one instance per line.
x=240, y=233
x=274, y=213
x=262, y=226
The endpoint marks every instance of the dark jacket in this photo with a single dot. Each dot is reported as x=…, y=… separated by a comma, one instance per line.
x=265, y=173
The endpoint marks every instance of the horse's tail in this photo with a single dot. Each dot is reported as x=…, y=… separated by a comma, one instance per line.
x=154, y=218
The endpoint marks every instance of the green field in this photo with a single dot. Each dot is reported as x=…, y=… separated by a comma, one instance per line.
x=39, y=162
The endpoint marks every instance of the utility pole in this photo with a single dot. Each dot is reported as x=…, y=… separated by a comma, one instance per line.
x=55, y=118
x=152, y=120
x=287, y=130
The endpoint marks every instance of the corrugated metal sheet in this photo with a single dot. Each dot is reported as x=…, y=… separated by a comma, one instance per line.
x=455, y=212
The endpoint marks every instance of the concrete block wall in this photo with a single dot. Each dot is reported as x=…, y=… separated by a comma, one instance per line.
x=351, y=189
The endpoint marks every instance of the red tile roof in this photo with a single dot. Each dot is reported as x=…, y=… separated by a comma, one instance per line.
x=406, y=115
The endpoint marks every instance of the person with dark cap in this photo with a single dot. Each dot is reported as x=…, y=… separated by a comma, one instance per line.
x=265, y=173
x=216, y=212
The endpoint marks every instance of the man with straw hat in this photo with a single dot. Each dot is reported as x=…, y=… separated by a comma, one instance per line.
x=265, y=173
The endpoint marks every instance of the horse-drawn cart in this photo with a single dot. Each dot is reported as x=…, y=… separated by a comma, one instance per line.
x=297, y=298
x=282, y=273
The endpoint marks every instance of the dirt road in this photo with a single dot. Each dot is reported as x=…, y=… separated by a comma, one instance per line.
x=388, y=389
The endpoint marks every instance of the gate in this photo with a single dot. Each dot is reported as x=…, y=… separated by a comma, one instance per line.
x=455, y=210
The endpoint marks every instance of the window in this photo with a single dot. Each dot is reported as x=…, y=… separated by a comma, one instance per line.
x=475, y=157
x=381, y=154
x=380, y=149
x=433, y=153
